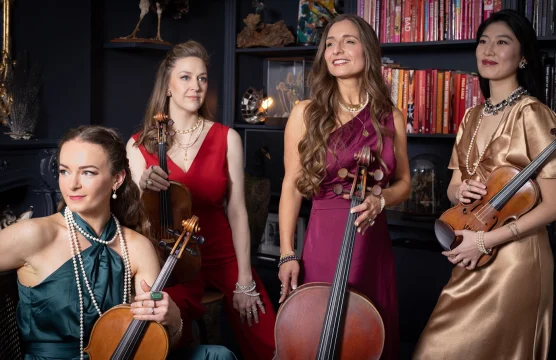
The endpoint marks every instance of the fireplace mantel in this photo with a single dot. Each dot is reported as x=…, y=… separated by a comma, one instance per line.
x=32, y=164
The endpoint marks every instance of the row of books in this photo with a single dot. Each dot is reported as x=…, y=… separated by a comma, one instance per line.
x=432, y=101
x=548, y=61
x=435, y=20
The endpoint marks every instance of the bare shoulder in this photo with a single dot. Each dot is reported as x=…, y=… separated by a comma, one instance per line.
x=137, y=241
x=34, y=234
x=398, y=118
x=296, y=121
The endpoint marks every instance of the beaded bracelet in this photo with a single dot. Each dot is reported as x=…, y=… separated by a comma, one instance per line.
x=286, y=254
x=481, y=243
x=287, y=258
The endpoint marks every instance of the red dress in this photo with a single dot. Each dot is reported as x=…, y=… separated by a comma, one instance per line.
x=207, y=180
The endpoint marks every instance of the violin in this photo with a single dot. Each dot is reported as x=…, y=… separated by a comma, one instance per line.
x=348, y=326
x=117, y=336
x=511, y=193
x=167, y=207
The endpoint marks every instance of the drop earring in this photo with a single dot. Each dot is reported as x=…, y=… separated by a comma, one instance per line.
x=522, y=64
x=114, y=195
x=168, y=93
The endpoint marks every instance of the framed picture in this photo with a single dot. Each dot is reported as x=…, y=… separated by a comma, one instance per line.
x=270, y=243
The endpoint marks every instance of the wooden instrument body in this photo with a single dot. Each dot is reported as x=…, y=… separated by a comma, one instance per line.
x=300, y=325
x=479, y=216
x=190, y=264
x=110, y=328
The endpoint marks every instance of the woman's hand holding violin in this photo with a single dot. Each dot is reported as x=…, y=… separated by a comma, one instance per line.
x=470, y=190
x=154, y=178
x=163, y=311
x=368, y=211
x=467, y=253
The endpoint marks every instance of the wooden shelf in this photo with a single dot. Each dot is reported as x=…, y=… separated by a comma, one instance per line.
x=386, y=47
x=432, y=136
x=261, y=126
x=280, y=51
x=399, y=218
x=136, y=45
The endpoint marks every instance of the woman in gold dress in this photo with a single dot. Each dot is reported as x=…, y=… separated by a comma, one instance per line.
x=502, y=310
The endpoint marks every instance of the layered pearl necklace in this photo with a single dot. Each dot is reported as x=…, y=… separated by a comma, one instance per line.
x=490, y=109
x=75, y=252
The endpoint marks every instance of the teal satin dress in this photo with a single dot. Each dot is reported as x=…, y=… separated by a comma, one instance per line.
x=48, y=313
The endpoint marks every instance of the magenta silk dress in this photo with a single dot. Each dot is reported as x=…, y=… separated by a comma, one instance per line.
x=372, y=269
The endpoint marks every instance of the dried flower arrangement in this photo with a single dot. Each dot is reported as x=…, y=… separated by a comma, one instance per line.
x=24, y=87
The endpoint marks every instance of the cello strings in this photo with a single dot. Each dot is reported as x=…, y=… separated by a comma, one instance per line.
x=334, y=316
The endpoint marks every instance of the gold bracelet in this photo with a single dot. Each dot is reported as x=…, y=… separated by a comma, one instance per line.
x=514, y=230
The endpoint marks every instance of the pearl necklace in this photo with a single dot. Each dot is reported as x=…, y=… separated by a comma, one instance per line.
x=75, y=252
x=476, y=164
x=356, y=108
x=183, y=132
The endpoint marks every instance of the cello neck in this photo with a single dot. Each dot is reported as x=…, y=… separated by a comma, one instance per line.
x=128, y=344
x=334, y=311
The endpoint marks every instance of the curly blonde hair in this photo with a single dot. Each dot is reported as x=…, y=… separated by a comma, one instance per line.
x=159, y=101
x=321, y=114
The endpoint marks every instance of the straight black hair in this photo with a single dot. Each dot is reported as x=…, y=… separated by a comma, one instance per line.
x=530, y=78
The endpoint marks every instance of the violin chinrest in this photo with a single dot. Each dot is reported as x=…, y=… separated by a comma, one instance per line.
x=445, y=234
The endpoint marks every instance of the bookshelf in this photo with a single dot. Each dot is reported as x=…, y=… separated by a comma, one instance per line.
x=246, y=67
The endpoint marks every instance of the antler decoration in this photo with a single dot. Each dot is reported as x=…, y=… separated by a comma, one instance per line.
x=359, y=188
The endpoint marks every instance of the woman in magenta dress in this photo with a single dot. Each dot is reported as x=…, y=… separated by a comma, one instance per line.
x=349, y=108
x=206, y=157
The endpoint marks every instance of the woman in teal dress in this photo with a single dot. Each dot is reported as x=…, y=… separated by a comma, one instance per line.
x=67, y=276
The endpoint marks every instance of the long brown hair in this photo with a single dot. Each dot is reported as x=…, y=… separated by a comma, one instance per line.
x=159, y=100
x=128, y=208
x=321, y=115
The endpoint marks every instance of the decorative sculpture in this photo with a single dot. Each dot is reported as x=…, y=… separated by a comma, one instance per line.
x=178, y=8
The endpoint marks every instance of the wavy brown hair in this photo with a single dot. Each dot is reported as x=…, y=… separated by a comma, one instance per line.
x=159, y=101
x=321, y=114
x=128, y=208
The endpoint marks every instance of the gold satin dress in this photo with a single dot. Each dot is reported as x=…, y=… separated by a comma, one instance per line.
x=504, y=309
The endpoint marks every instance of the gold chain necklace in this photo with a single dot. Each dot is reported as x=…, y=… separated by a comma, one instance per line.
x=355, y=108
x=185, y=147
x=183, y=132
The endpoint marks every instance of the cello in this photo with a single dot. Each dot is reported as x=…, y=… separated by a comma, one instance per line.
x=139, y=339
x=167, y=207
x=347, y=327
x=511, y=193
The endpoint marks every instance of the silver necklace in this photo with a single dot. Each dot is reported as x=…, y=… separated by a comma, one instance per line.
x=490, y=109
x=75, y=252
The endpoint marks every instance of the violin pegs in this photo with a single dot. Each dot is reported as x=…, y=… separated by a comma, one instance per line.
x=170, y=122
x=343, y=173
x=171, y=133
x=377, y=174
x=376, y=190
x=339, y=189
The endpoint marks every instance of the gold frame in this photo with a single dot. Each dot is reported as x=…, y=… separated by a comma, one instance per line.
x=5, y=63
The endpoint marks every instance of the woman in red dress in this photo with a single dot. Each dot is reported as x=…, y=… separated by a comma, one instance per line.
x=206, y=157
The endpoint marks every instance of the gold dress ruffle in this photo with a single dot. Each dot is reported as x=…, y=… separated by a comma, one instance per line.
x=504, y=309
